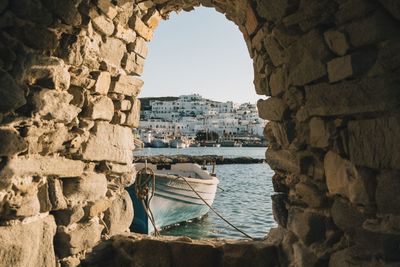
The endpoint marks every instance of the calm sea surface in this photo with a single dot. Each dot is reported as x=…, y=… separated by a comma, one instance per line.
x=245, y=200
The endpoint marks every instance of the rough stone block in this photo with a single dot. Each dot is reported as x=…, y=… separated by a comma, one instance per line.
x=11, y=95
x=103, y=81
x=392, y=6
x=42, y=166
x=374, y=143
x=119, y=118
x=72, y=240
x=89, y=187
x=337, y=42
x=372, y=29
x=307, y=58
x=120, y=215
x=294, y=98
x=56, y=105
x=138, y=25
x=251, y=23
x=123, y=105
x=274, y=10
x=69, y=216
x=279, y=209
x=48, y=72
x=283, y=160
x=387, y=192
x=354, y=9
x=125, y=34
x=274, y=109
x=320, y=133
x=283, y=133
x=139, y=47
x=64, y=9
x=112, y=51
x=278, y=81
x=345, y=215
x=56, y=196
x=309, y=194
x=340, y=68
x=152, y=18
x=101, y=23
x=133, y=117
x=44, y=198
x=352, y=97
x=11, y=142
x=107, y=8
x=127, y=85
x=275, y=51
x=100, y=108
x=309, y=227
x=109, y=142
x=342, y=178
x=28, y=244
x=97, y=208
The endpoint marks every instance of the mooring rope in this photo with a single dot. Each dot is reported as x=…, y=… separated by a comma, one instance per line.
x=143, y=190
x=216, y=212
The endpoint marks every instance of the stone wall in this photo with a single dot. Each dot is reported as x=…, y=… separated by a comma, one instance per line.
x=69, y=77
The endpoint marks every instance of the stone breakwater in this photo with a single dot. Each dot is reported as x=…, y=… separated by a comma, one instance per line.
x=328, y=72
x=205, y=159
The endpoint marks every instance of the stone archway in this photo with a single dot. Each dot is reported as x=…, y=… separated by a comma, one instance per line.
x=68, y=85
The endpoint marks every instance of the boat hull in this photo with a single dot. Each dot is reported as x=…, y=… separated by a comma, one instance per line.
x=173, y=202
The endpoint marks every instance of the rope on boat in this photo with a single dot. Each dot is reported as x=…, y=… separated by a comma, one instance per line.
x=144, y=177
x=216, y=212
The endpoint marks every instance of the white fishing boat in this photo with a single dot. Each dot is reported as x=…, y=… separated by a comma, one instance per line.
x=173, y=199
x=179, y=143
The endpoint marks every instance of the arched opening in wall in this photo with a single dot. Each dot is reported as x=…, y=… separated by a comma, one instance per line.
x=198, y=78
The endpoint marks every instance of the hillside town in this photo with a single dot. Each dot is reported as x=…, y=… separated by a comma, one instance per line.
x=192, y=117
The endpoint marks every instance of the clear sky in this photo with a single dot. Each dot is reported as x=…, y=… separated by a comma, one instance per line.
x=199, y=52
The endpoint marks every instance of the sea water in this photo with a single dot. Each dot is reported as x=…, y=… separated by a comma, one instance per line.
x=244, y=197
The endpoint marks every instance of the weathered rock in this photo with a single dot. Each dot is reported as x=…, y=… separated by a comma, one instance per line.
x=125, y=34
x=100, y=108
x=139, y=47
x=283, y=160
x=340, y=68
x=11, y=95
x=138, y=25
x=336, y=42
x=49, y=72
x=387, y=195
x=56, y=196
x=109, y=142
x=294, y=98
x=69, y=216
x=123, y=105
x=127, y=85
x=120, y=215
x=107, y=8
x=66, y=10
x=55, y=104
x=119, y=118
x=112, y=51
x=103, y=81
x=351, y=97
x=274, y=109
x=278, y=81
x=279, y=209
x=152, y=18
x=307, y=58
x=89, y=187
x=28, y=244
x=44, y=198
x=29, y=10
x=346, y=216
x=79, y=237
x=308, y=226
x=273, y=10
x=354, y=9
x=94, y=209
x=320, y=133
x=275, y=51
x=392, y=6
x=133, y=117
x=309, y=194
x=46, y=166
x=11, y=142
x=377, y=27
x=342, y=178
x=101, y=23
x=373, y=143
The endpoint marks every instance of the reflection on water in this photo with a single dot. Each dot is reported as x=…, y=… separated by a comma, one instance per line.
x=245, y=200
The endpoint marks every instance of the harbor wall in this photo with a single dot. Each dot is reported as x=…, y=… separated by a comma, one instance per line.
x=69, y=79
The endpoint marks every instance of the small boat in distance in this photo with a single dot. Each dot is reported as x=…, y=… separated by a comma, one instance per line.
x=159, y=143
x=179, y=143
x=173, y=200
